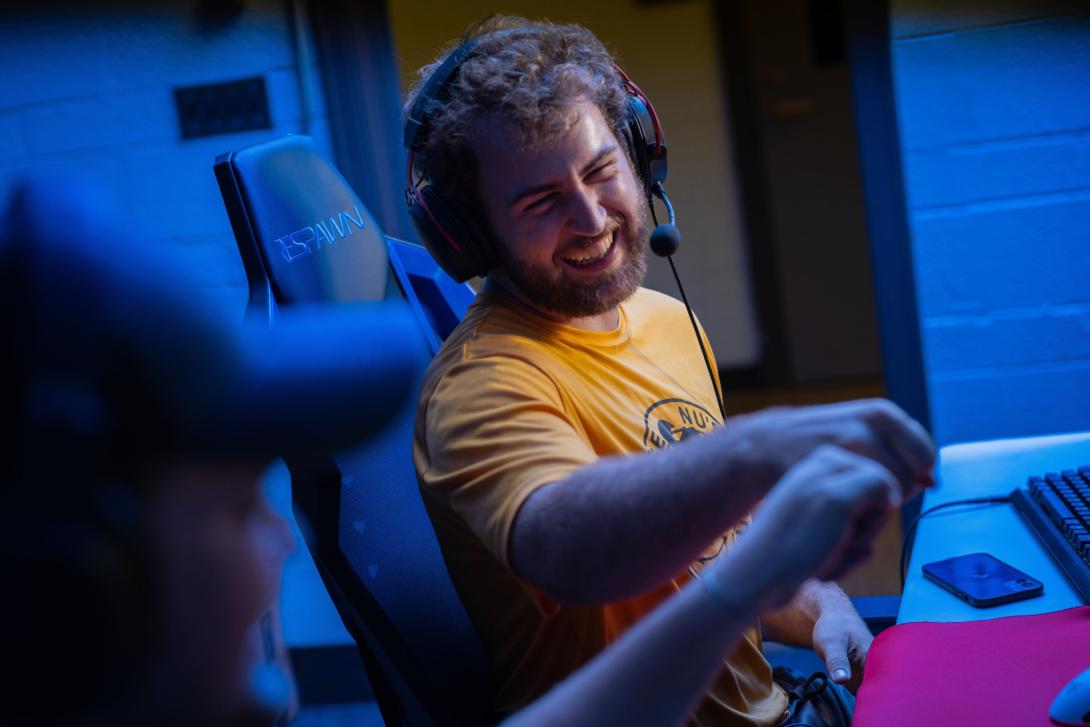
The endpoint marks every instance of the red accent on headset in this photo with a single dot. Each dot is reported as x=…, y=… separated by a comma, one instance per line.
x=411, y=194
x=638, y=93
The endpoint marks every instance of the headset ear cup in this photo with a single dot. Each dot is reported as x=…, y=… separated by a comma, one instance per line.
x=636, y=151
x=448, y=257
x=647, y=154
x=458, y=243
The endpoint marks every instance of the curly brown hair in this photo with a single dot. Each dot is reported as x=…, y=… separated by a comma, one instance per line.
x=529, y=73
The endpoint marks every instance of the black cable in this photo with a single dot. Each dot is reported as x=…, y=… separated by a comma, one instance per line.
x=912, y=527
x=700, y=342
x=659, y=192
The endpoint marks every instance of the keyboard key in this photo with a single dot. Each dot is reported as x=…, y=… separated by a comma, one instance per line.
x=1055, y=507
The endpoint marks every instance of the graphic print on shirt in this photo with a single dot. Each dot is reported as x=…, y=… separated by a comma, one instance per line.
x=675, y=420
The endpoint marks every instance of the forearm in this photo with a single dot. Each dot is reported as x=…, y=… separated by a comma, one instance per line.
x=793, y=624
x=668, y=658
x=623, y=525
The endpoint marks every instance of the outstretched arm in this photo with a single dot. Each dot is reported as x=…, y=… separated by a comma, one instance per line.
x=670, y=657
x=623, y=525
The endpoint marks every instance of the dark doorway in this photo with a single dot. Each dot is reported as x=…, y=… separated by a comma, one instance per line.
x=790, y=91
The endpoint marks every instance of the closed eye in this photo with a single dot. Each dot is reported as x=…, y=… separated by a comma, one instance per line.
x=602, y=172
x=599, y=169
x=540, y=204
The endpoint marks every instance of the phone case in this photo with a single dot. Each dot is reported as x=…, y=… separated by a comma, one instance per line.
x=982, y=580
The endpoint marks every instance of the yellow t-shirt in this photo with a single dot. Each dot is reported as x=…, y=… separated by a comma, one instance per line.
x=513, y=402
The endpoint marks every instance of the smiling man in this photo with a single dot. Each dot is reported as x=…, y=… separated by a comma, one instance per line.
x=580, y=270
x=558, y=438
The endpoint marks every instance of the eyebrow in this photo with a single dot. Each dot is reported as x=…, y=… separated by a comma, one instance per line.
x=538, y=189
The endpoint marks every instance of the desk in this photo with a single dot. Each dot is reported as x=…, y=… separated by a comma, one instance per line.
x=986, y=469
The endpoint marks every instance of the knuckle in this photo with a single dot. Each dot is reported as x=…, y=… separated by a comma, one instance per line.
x=830, y=459
x=883, y=404
x=884, y=411
x=828, y=452
x=871, y=468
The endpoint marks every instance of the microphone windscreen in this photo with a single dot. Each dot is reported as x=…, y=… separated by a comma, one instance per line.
x=665, y=240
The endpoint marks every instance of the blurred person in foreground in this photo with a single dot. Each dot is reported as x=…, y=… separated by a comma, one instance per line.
x=140, y=551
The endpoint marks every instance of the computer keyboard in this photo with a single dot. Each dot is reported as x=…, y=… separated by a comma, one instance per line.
x=1057, y=509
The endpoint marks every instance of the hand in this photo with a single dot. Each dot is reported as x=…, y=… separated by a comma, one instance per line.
x=819, y=520
x=842, y=639
x=874, y=428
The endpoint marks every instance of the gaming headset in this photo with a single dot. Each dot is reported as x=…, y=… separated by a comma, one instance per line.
x=463, y=246
x=460, y=243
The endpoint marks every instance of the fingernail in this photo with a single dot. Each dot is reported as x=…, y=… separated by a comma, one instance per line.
x=840, y=675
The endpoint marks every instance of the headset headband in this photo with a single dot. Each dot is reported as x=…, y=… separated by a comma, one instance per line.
x=419, y=116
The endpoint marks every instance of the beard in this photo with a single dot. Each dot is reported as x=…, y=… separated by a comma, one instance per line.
x=547, y=288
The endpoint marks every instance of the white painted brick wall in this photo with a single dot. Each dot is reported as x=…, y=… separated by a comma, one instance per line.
x=995, y=127
x=90, y=95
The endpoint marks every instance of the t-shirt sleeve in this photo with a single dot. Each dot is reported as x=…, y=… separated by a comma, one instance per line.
x=497, y=429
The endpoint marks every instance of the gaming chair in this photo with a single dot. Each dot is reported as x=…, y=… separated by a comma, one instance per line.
x=305, y=237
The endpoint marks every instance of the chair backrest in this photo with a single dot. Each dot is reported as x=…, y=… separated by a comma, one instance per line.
x=302, y=233
x=442, y=301
x=304, y=236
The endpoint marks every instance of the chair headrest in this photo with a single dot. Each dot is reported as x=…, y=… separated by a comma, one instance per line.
x=304, y=225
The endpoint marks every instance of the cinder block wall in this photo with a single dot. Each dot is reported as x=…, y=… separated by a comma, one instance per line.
x=89, y=94
x=994, y=107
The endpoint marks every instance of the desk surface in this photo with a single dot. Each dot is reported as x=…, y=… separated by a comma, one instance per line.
x=985, y=469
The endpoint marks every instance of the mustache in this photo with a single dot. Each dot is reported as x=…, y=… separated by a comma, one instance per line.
x=581, y=242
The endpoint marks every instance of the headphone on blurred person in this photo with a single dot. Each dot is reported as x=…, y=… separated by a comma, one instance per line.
x=462, y=244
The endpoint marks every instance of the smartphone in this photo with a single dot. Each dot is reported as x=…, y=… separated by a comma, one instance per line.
x=982, y=580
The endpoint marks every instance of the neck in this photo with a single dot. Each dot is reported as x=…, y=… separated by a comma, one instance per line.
x=600, y=323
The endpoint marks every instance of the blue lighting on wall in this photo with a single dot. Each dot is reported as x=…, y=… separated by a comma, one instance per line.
x=995, y=129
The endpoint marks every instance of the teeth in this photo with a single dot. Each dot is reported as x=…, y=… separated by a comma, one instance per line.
x=590, y=256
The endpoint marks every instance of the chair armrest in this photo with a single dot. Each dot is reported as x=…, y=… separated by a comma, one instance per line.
x=878, y=612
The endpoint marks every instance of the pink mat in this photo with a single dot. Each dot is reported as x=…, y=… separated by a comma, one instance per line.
x=1004, y=671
